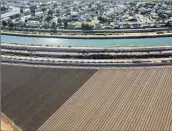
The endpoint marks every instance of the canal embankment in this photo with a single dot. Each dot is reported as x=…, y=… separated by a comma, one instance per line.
x=85, y=63
x=82, y=35
x=134, y=56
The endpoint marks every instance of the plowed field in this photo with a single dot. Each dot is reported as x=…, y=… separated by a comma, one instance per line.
x=31, y=95
x=84, y=99
x=119, y=100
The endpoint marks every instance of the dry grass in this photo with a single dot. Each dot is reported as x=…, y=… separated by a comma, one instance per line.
x=121, y=99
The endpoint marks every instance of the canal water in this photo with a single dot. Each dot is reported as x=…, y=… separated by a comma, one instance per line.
x=88, y=42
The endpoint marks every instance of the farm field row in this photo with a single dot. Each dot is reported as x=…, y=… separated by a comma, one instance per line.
x=31, y=95
x=38, y=98
x=121, y=99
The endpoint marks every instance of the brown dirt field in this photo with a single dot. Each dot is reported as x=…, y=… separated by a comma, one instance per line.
x=30, y=95
x=118, y=100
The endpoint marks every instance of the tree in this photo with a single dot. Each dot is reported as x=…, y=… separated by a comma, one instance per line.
x=33, y=12
x=11, y=24
x=135, y=10
x=41, y=18
x=86, y=26
x=46, y=26
x=15, y=16
x=49, y=18
x=4, y=23
x=43, y=9
x=54, y=25
x=55, y=5
x=65, y=24
x=102, y=19
x=92, y=9
x=68, y=13
x=83, y=25
x=59, y=20
x=21, y=10
x=4, y=9
x=57, y=11
x=50, y=12
x=90, y=5
x=168, y=24
x=18, y=16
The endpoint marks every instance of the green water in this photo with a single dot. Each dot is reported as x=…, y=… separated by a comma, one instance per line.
x=88, y=42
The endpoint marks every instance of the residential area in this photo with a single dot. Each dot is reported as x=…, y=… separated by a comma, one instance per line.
x=81, y=14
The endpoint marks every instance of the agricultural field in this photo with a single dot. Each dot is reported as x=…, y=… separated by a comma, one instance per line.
x=37, y=98
x=31, y=95
x=119, y=99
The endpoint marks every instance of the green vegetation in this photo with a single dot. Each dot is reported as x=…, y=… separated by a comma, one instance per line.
x=43, y=9
x=93, y=56
x=11, y=24
x=4, y=23
x=4, y=9
x=48, y=18
x=86, y=26
x=21, y=10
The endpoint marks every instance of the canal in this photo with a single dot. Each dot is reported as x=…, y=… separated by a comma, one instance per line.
x=88, y=42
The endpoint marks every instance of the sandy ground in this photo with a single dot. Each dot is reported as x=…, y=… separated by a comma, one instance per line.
x=7, y=125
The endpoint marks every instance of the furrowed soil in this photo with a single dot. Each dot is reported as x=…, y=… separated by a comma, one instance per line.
x=138, y=99
x=30, y=95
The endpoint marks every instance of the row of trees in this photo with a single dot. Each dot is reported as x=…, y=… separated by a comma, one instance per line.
x=103, y=20
x=4, y=9
x=86, y=26
x=9, y=23
x=47, y=25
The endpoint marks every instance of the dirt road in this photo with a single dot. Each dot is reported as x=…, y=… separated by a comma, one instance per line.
x=7, y=124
